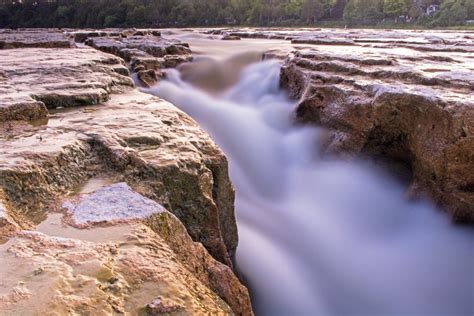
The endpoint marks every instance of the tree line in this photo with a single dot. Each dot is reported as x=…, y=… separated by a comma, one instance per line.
x=183, y=13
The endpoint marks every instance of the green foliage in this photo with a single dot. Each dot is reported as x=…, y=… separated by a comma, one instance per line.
x=453, y=12
x=363, y=12
x=181, y=13
x=394, y=8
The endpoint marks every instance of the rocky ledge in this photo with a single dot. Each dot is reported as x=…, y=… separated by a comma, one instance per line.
x=130, y=256
x=32, y=80
x=73, y=122
x=29, y=38
x=405, y=99
x=146, y=53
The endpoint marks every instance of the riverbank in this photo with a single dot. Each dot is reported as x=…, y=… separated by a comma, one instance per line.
x=106, y=188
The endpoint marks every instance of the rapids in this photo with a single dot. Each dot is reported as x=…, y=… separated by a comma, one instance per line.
x=318, y=236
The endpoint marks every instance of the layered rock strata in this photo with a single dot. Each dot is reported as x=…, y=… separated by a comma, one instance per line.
x=71, y=121
x=401, y=105
x=146, y=53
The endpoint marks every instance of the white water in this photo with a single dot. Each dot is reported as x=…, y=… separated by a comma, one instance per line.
x=322, y=237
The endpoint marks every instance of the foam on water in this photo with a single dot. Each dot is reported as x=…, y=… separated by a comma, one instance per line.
x=321, y=237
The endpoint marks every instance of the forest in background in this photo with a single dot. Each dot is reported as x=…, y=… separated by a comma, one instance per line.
x=184, y=13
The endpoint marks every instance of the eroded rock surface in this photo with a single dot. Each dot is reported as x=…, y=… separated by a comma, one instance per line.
x=146, y=52
x=35, y=79
x=151, y=144
x=28, y=38
x=394, y=101
x=156, y=148
x=138, y=258
x=71, y=121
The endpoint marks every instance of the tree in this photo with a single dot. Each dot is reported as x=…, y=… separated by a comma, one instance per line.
x=470, y=9
x=337, y=9
x=395, y=8
x=452, y=12
x=363, y=12
x=311, y=10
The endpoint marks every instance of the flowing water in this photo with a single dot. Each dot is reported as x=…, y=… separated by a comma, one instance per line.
x=322, y=237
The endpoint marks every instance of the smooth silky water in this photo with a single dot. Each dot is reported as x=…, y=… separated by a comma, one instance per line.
x=318, y=236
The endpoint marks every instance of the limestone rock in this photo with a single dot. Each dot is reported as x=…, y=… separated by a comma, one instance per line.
x=383, y=104
x=123, y=271
x=28, y=38
x=56, y=78
x=230, y=38
x=145, y=50
x=323, y=41
x=147, y=77
x=156, y=148
x=7, y=224
x=117, y=204
x=112, y=204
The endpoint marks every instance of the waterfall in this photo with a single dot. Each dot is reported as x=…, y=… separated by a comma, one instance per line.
x=319, y=236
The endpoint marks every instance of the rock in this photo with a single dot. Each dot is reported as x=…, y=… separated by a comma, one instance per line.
x=56, y=78
x=7, y=225
x=149, y=51
x=386, y=105
x=173, y=61
x=228, y=37
x=147, y=77
x=82, y=36
x=148, y=143
x=118, y=204
x=112, y=204
x=27, y=110
x=322, y=41
x=29, y=38
x=117, y=250
x=39, y=162
x=159, y=306
x=107, y=270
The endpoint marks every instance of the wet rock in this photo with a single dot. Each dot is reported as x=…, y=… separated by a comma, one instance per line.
x=56, y=78
x=147, y=77
x=173, y=61
x=29, y=38
x=387, y=105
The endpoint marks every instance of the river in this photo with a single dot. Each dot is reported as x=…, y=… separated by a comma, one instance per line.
x=318, y=236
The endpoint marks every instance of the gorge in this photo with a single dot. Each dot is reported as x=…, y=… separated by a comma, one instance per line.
x=350, y=152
